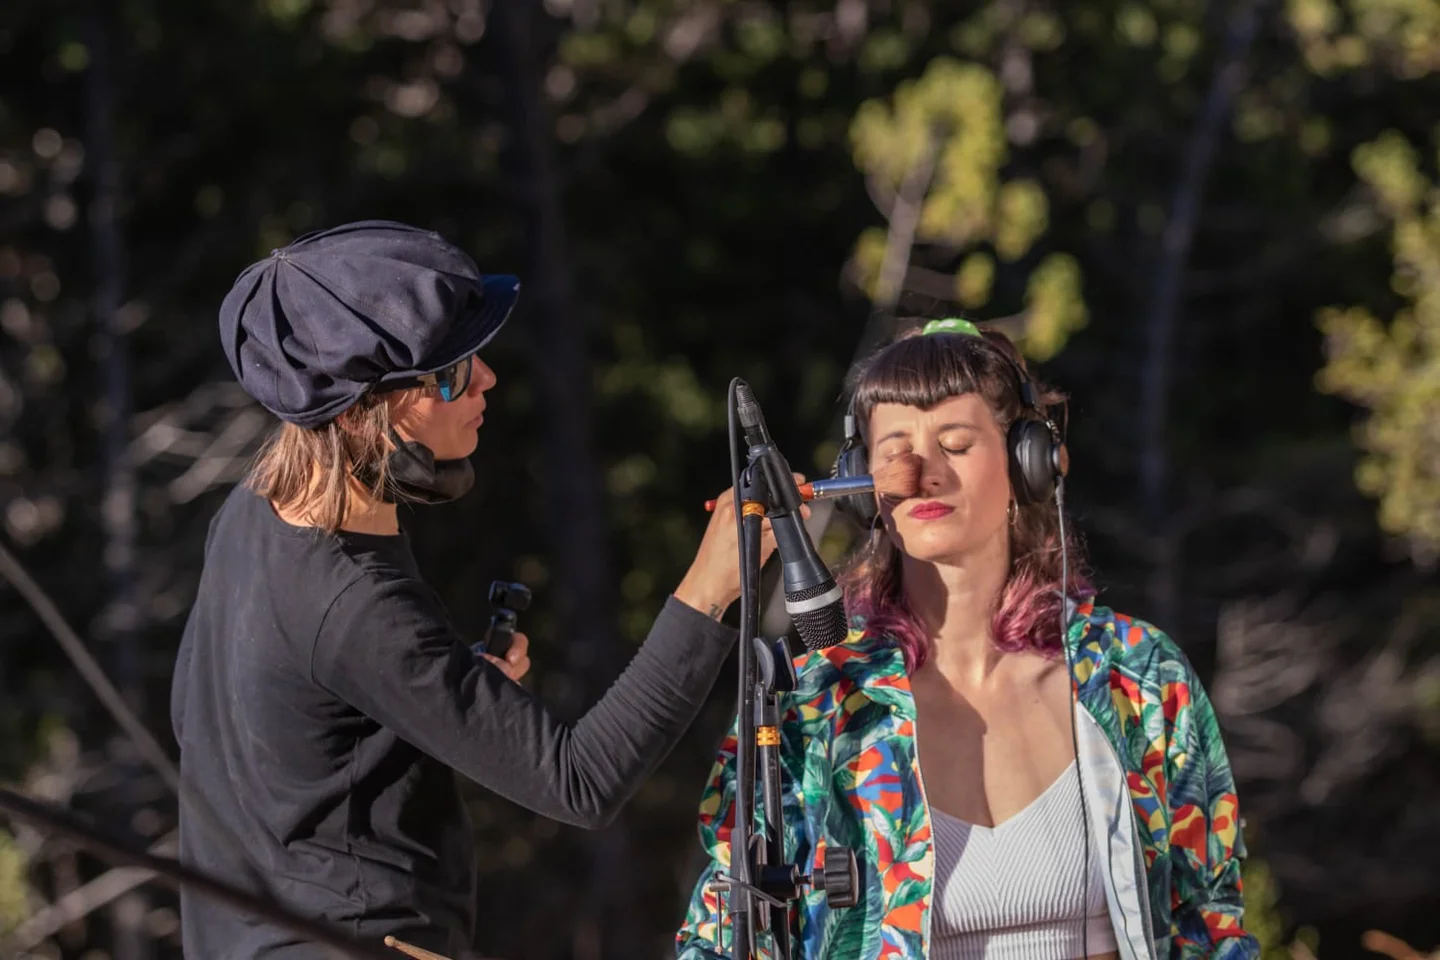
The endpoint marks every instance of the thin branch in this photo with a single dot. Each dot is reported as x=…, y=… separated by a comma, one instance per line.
x=83, y=901
x=685, y=36
x=904, y=221
x=222, y=458
x=881, y=194
x=85, y=664
x=62, y=823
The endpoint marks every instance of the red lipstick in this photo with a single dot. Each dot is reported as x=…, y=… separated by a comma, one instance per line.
x=930, y=510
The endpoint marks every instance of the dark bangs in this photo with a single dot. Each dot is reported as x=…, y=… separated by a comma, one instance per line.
x=923, y=371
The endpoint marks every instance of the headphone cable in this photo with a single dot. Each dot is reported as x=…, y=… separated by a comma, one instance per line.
x=1074, y=733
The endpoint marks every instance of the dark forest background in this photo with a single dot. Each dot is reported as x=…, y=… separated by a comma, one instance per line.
x=1216, y=225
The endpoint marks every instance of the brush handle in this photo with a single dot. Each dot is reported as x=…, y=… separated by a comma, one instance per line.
x=826, y=489
x=807, y=492
x=412, y=950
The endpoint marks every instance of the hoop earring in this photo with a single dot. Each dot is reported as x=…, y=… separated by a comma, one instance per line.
x=1012, y=513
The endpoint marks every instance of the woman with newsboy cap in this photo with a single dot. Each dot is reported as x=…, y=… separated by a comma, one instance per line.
x=322, y=700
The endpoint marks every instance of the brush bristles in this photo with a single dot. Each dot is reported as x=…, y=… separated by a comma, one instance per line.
x=897, y=478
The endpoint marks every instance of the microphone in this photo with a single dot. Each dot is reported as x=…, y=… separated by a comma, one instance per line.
x=812, y=598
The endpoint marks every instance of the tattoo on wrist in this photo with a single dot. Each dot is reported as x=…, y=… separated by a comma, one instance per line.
x=715, y=612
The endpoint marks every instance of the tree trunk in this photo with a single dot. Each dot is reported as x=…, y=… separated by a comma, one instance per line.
x=1200, y=150
x=118, y=508
x=584, y=595
x=121, y=620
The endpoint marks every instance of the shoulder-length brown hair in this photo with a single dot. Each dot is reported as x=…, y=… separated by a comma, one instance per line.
x=923, y=371
x=309, y=470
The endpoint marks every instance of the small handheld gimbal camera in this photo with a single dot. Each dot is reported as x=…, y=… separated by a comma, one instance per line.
x=508, y=599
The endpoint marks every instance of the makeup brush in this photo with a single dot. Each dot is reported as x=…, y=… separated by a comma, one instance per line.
x=411, y=950
x=897, y=478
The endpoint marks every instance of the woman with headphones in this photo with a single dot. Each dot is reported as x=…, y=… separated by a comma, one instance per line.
x=322, y=699
x=1021, y=772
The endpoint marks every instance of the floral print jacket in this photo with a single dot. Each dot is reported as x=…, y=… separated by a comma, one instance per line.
x=1160, y=798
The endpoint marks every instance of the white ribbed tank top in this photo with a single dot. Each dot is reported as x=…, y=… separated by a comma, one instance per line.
x=1013, y=891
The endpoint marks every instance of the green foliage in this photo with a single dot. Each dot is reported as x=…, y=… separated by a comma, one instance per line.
x=955, y=110
x=1263, y=916
x=1021, y=216
x=959, y=104
x=1393, y=370
x=1054, y=306
x=14, y=888
x=1400, y=35
x=974, y=279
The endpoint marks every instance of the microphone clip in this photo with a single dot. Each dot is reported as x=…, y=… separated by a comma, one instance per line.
x=774, y=666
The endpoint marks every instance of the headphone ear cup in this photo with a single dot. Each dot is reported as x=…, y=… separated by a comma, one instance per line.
x=1032, y=461
x=852, y=461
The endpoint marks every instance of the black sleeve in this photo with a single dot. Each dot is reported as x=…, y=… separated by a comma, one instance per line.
x=180, y=676
x=388, y=651
x=178, y=679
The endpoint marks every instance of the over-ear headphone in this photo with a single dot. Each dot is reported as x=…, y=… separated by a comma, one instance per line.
x=1036, y=445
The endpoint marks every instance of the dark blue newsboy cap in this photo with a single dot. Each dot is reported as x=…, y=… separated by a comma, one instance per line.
x=313, y=326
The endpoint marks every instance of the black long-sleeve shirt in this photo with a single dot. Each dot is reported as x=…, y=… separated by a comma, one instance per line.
x=322, y=701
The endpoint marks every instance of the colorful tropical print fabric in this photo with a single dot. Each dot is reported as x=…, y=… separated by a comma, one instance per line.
x=852, y=779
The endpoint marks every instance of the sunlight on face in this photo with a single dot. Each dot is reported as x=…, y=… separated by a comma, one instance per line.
x=447, y=428
x=964, y=481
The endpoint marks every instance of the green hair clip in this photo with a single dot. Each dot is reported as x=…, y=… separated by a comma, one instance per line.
x=951, y=325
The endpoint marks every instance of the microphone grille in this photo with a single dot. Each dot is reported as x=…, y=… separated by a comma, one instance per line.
x=822, y=627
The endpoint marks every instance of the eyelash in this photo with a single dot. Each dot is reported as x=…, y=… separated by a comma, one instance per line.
x=943, y=449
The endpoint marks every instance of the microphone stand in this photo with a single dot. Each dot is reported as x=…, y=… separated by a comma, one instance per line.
x=742, y=877
x=776, y=675
x=761, y=885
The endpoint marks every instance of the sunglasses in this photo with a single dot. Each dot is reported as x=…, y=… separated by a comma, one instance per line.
x=451, y=381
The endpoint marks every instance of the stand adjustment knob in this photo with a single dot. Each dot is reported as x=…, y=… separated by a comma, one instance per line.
x=840, y=877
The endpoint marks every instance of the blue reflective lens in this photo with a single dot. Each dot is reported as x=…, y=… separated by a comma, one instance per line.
x=454, y=380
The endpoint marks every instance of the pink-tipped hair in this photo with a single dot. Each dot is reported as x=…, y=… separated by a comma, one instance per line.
x=1026, y=619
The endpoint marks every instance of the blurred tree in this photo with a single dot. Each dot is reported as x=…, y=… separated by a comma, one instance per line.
x=1393, y=369
x=945, y=132
x=14, y=891
x=693, y=221
x=1262, y=916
